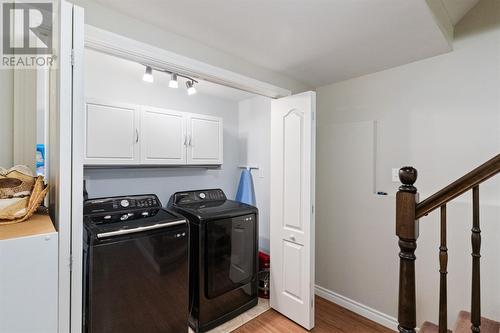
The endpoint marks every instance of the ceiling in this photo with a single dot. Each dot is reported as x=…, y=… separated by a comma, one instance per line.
x=314, y=42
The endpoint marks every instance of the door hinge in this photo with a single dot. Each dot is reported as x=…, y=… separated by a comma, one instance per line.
x=70, y=263
x=312, y=209
x=313, y=115
x=72, y=57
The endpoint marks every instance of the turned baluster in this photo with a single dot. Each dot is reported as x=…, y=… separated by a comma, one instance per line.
x=407, y=231
x=476, y=247
x=443, y=271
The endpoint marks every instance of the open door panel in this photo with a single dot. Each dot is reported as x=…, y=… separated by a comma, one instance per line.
x=292, y=207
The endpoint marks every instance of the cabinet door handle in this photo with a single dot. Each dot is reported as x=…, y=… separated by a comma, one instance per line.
x=136, y=135
x=185, y=140
x=189, y=143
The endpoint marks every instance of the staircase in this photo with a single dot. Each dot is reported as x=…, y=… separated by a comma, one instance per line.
x=408, y=213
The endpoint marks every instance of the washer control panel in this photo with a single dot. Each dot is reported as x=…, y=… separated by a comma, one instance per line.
x=126, y=204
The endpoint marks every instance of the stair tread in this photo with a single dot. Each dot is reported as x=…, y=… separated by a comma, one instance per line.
x=428, y=327
x=463, y=324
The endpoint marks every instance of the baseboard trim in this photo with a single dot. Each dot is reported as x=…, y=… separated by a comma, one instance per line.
x=356, y=307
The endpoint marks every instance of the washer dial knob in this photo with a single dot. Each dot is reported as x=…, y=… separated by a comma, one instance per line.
x=124, y=203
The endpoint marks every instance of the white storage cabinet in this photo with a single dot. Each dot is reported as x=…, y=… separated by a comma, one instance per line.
x=112, y=133
x=163, y=136
x=28, y=283
x=204, y=139
x=121, y=134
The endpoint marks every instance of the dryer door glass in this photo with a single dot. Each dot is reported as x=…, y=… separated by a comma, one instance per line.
x=231, y=250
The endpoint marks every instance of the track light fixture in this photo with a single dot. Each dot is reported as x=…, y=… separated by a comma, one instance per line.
x=174, y=82
x=191, y=90
x=148, y=75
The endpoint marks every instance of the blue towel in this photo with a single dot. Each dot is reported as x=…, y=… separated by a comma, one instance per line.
x=246, y=192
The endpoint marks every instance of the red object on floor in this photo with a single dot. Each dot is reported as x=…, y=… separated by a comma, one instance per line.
x=264, y=274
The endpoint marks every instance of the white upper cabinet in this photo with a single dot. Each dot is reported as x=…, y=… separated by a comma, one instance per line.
x=205, y=139
x=163, y=136
x=143, y=135
x=112, y=134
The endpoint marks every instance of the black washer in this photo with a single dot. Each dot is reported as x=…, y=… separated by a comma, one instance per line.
x=135, y=266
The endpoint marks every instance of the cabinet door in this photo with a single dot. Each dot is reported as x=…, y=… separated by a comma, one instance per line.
x=28, y=281
x=205, y=140
x=163, y=136
x=112, y=134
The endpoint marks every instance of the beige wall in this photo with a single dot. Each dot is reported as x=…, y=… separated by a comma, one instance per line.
x=254, y=127
x=6, y=116
x=441, y=115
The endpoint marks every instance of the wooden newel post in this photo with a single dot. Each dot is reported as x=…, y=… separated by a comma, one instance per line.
x=407, y=231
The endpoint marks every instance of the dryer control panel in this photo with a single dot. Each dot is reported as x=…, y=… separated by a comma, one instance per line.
x=188, y=197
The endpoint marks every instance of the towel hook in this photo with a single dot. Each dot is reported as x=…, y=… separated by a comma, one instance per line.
x=249, y=167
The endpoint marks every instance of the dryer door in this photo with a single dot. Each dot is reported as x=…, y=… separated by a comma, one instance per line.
x=231, y=249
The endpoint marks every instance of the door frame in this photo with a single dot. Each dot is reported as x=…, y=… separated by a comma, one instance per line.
x=87, y=36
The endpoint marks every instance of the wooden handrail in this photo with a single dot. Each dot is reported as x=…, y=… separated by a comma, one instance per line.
x=408, y=212
x=458, y=187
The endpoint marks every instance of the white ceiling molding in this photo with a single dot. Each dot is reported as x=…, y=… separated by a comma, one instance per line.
x=442, y=18
x=126, y=48
x=449, y=12
x=457, y=9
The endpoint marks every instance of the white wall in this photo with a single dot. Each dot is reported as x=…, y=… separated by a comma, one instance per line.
x=441, y=115
x=255, y=150
x=116, y=22
x=21, y=124
x=115, y=79
x=6, y=116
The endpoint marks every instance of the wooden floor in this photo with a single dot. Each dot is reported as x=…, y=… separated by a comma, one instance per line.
x=330, y=318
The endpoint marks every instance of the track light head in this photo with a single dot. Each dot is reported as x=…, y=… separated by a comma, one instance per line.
x=191, y=90
x=148, y=74
x=173, y=81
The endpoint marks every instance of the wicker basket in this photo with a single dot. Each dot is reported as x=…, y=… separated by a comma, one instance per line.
x=20, y=194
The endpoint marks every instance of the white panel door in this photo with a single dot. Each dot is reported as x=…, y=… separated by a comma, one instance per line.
x=78, y=119
x=163, y=136
x=111, y=134
x=292, y=207
x=66, y=183
x=205, y=135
